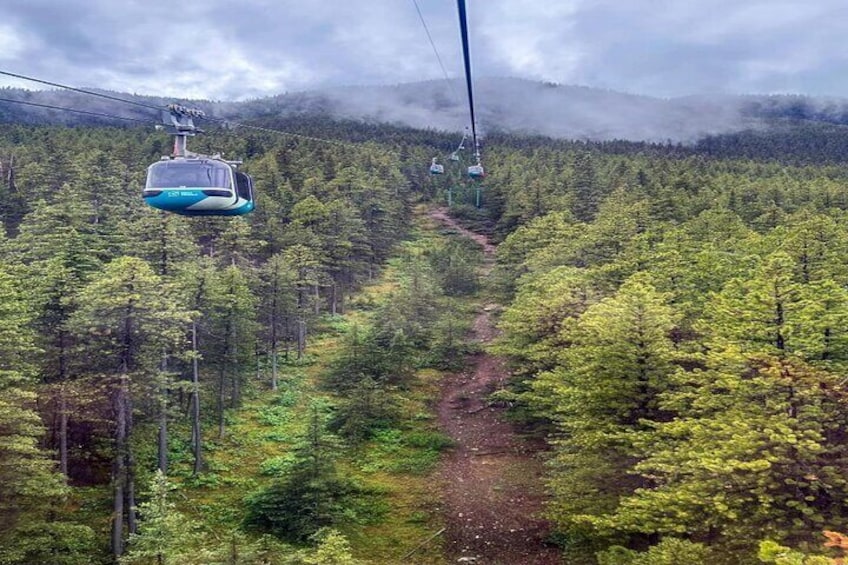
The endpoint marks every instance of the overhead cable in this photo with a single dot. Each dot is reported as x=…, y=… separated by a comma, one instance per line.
x=153, y=107
x=435, y=50
x=75, y=111
x=83, y=91
x=278, y=131
x=463, y=28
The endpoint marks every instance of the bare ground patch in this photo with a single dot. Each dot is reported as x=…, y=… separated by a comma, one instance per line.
x=491, y=481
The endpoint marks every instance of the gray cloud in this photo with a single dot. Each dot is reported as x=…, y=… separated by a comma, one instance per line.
x=220, y=49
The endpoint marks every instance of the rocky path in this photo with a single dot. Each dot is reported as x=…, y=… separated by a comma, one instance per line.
x=491, y=480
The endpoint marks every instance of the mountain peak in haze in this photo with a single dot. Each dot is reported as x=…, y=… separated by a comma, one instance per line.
x=519, y=106
x=504, y=104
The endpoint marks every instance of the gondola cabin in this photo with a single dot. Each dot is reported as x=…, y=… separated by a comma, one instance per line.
x=198, y=187
x=436, y=168
x=476, y=171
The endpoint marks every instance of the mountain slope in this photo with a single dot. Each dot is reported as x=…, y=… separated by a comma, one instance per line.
x=505, y=105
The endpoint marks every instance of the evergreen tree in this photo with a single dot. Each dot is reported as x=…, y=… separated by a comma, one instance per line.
x=601, y=397
x=164, y=534
x=587, y=196
x=29, y=484
x=277, y=308
x=198, y=285
x=753, y=453
x=312, y=494
x=234, y=325
x=126, y=321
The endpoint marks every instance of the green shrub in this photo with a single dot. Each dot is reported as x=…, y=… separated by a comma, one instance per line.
x=278, y=466
x=299, y=505
x=436, y=441
x=670, y=551
x=274, y=415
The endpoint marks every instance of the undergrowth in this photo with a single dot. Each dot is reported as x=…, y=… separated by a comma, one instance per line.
x=391, y=509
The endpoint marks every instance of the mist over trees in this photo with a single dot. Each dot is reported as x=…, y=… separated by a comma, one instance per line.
x=507, y=105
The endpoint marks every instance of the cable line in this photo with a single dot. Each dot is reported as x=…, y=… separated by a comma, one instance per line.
x=86, y=112
x=463, y=27
x=278, y=131
x=153, y=107
x=436, y=51
x=82, y=91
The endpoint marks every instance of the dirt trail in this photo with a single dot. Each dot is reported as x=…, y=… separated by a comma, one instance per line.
x=491, y=480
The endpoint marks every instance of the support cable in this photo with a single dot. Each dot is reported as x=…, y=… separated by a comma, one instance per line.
x=75, y=111
x=151, y=107
x=278, y=131
x=83, y=91
x=436, y=51
x=463, y=27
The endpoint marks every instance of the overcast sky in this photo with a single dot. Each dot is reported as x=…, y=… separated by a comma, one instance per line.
x=234, y=50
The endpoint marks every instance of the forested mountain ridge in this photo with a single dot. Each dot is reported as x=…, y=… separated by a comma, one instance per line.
x=506, y=105
x=675, y=326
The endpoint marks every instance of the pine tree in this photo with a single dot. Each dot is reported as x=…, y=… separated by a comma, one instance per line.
x=535, y=324
x=754, y=452
x=234, y=324
x=312, y=494
x=162, y=239
x=587, y=196
x=29, y=484
x=164, y=534
x=755, y=314
x=198, y=289
x=127, y=321
x=277, y=308
x=608, y=386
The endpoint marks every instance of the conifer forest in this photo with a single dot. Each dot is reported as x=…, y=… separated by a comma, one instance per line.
x=670, y=323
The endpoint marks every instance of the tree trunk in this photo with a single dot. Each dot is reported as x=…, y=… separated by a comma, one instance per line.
x=274, y=337
x=119, y=471
x=301, y=338
x=63, y=430
x=274, y=366
x=222, y=382
x=234, y=556
x=342, y=290
x=195, y=402
x=163, y=418
x=317, y=301
x=236, y=374
x=163, y=433
x=132, y=525
x=10, y=178
x=287, y=338
x=63, y=406
x=258, y=355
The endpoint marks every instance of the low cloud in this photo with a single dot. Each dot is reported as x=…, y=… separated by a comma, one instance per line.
x=215, y=49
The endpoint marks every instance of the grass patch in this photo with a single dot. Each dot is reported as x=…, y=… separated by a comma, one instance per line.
x=414, y=452
x=278, y=466
x=275, y=415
